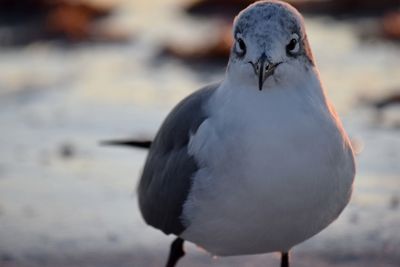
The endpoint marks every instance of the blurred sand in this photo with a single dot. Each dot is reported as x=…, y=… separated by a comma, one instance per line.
x=66, y=201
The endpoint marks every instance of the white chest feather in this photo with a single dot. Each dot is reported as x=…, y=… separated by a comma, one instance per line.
x=276, y=168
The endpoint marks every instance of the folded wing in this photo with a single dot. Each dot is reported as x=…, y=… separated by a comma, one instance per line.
x=166, y=178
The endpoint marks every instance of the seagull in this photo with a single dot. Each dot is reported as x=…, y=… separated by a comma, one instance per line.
x=257, y=163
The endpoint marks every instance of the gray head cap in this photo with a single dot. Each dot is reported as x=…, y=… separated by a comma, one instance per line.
x=264, y=20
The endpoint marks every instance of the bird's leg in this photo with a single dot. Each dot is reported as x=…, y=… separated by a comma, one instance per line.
x=284, y=259
x=176, y=252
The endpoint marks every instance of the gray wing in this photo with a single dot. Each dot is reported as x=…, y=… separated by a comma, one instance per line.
x=166, y=178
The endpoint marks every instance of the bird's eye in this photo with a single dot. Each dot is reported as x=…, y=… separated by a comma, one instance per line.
x=293, y=46
x=240, y=47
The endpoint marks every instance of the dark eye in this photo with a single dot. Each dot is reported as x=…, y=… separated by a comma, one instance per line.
x=240, y=47
x=293, y=46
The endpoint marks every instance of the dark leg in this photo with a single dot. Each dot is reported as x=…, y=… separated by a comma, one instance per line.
x=284, y=259
x=176, y=252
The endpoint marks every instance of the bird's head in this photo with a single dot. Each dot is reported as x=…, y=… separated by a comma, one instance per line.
x=270, y=45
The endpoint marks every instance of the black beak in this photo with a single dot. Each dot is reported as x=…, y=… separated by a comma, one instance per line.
x=263, y=68
x=261, y=73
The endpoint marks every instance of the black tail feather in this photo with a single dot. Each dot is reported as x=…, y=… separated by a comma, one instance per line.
x=129, y=143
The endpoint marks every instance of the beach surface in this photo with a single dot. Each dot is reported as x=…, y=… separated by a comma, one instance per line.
x=65, y=200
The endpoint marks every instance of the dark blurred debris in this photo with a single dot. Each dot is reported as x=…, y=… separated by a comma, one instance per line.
x=72, y=21
x=215, y=52
x=128, y=143
x=24, y=22
x=346, y=8
x=386, y=27
x=5, y=257
x=381, y=102
x=391, y=26
x=11, y=11
x=67, y=151
x=394, y=202
x=386, y=12
x=386, y=109
x=389, y=100
x=225, y=8
x=229, y=8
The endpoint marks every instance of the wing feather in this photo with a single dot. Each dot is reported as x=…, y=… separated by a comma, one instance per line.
x=166, y=177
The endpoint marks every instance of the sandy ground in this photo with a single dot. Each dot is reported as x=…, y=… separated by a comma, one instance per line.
x=66, y=201
x=157, y=258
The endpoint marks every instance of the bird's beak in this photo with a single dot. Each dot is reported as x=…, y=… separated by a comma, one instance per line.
x=263, y=68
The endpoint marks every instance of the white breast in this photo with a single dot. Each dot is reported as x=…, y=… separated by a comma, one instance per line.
x=276, y=168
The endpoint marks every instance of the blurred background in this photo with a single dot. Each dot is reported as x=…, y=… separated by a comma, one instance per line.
x=73, y=73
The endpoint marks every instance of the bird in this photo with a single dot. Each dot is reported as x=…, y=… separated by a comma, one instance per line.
x=257, y=163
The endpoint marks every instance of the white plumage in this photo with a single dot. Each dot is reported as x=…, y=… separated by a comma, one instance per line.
x=275, y=169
